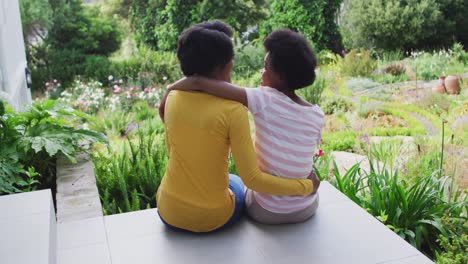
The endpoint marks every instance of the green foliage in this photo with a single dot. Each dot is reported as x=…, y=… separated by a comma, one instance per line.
x=31, y=141
x=159, y=23
x=430, y=65
x=143, y=111
x=336, y=105
x=415, y=212
x=117, y=7
x=129, y=179
x=454, y=249
x=112, y=122
x=147, y=67
x=35, y=17
x=313, y=93
x=396, y=24
x=77, y=43
x=314, y=19
x=248, y=59
x=340, y=141
x=358, y=63
x=82, y=29
x=410, y=126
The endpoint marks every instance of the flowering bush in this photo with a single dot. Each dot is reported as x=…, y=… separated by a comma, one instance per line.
x=53, y=89
x=125, y=97
x=88, y=97
x=91, y=97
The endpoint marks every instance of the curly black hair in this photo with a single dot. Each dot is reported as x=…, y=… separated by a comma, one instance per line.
x=291, y=56
x=205, y=46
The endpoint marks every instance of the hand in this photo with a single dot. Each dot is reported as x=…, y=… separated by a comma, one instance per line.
x=315, y=181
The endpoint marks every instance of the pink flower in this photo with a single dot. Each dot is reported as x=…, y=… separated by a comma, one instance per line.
x=146, y=90
x=55, y=81
x=343, y=52
x=131, y=89
x=47, y=84
x=135, y=95
x=321, y=153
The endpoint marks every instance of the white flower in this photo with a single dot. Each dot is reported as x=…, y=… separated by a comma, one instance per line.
x=110, y=78
x=164, y=78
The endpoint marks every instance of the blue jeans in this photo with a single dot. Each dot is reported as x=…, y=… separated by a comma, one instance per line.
x=237, y=187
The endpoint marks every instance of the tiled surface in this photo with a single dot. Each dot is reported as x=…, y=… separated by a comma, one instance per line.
x=27, y=228
x=16, y=205
x=25, y=239
x=340, y=232
x=91, y=254
x=138, y=223
x=81, y=233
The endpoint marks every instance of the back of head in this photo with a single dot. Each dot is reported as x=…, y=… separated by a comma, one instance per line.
x=204, y=47
x=291, y=56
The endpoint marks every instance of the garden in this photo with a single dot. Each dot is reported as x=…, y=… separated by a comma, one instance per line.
x=397, y=96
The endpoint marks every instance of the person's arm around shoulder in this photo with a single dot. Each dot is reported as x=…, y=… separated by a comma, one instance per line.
x=217, y=88
x=247, y=165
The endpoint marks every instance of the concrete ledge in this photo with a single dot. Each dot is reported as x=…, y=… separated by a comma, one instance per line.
x=28, y=228
x=340, y=232
x=77, y=193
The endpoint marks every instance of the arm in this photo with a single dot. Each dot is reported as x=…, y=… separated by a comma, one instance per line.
x=211, y=86
x=246, y=162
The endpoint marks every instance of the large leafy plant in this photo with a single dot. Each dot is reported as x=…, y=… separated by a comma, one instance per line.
x=31, y=141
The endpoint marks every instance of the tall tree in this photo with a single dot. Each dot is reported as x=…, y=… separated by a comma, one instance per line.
x=404, y=24
x=314, y=19
x=159, y=22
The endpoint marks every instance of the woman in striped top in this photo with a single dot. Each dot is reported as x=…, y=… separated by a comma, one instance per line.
x=287, y=128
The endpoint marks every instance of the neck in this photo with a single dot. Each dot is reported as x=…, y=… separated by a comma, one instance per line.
x=216, y=75
x=288, y=92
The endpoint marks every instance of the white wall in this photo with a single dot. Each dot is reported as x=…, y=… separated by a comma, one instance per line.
x=12, y=55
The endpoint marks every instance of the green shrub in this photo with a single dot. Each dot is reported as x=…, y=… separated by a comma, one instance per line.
x=248, y=59
x=336, y=105
x=454, y=250
x=147, y=68
x=313, y=93
x=96, y=68
x=76, y=45
x=358, y=63
x=112, y=122
x=402, y=25
x=159, y=23
x=415, y=212
x=31, y=141
x=340, y=141
x=143, y=111
x=316, y=20
x=129, y=179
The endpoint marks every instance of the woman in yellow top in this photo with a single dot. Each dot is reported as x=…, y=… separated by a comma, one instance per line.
x=196, y=193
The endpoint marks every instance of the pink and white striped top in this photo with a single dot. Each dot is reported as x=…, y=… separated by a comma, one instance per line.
x=286, y=136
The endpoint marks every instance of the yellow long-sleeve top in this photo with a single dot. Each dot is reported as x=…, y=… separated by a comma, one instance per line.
x=200, y=130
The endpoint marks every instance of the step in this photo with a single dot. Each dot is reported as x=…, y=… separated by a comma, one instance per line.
x=340, y=232
x=27, y=228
